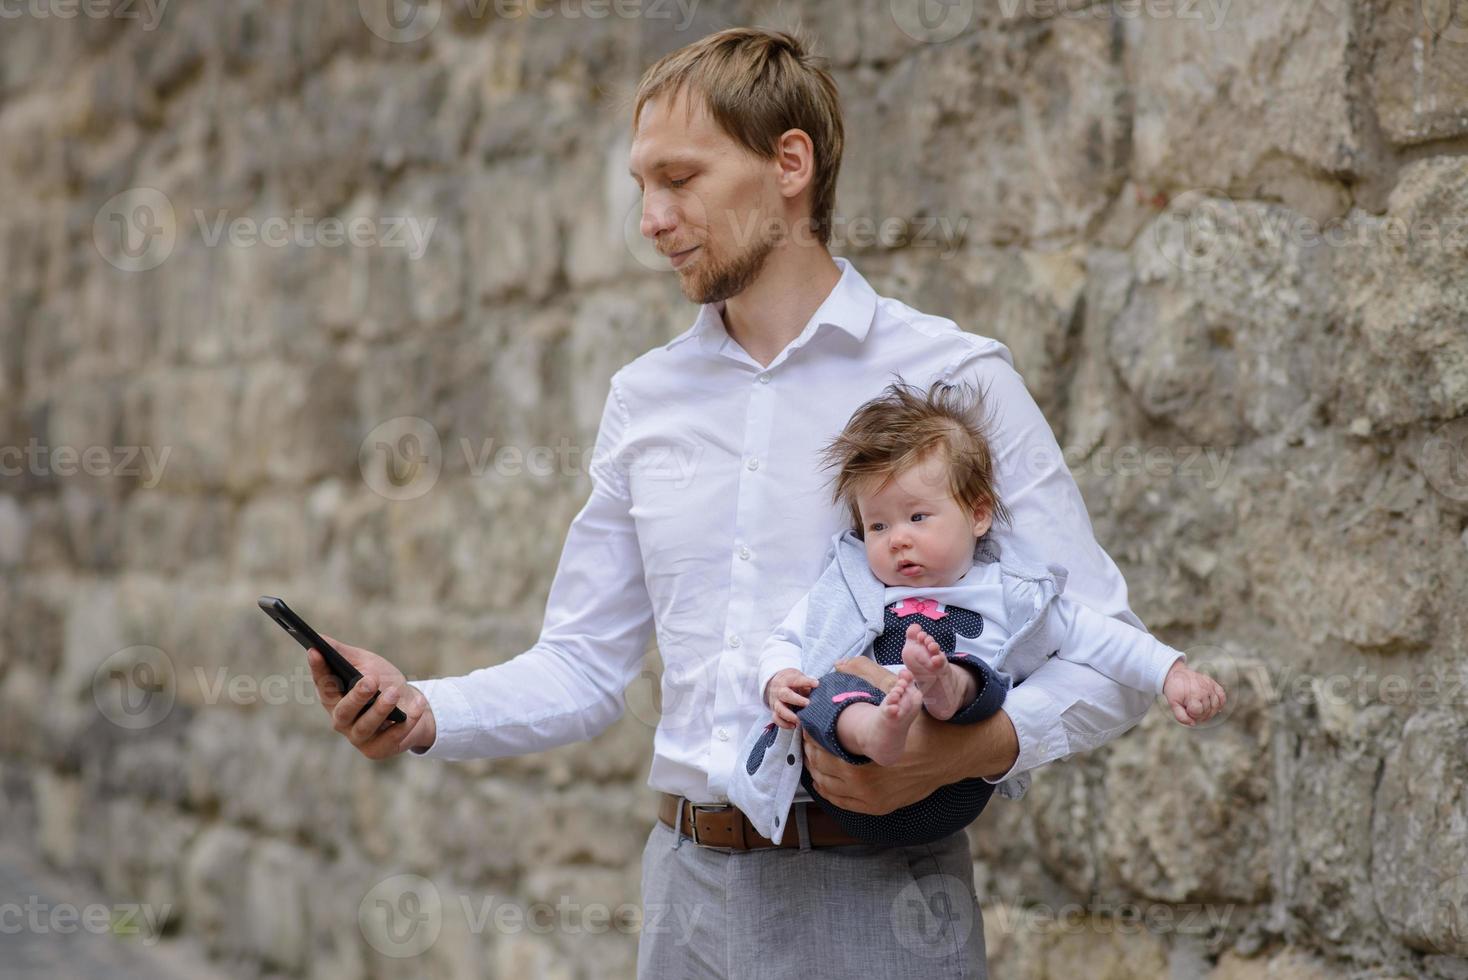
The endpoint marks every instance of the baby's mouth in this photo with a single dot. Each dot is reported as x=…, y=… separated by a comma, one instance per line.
x=908, y=568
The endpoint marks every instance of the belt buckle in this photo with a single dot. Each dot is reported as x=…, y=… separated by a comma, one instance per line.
x=693, y=809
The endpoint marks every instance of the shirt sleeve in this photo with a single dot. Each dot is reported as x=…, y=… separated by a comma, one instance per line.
x=782, y=648
x=1067, y=712
x=569, y=686
x=1062, y=707
x=1120, y=651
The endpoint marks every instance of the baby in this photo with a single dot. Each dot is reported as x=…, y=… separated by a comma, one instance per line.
x=916, y=474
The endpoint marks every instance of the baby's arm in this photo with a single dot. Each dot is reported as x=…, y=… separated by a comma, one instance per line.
x=1135, y=658
x=781, y=652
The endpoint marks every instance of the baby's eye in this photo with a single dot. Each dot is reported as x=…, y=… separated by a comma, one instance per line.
x=917, y=516
x=876, y=527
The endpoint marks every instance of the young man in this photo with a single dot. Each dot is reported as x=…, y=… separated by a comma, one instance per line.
x=708, y=518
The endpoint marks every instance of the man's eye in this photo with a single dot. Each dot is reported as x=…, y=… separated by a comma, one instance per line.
x=680, y=181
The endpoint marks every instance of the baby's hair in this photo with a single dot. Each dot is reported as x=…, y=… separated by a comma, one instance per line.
x=899, y=429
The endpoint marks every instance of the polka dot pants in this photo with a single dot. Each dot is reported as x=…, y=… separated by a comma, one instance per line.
x=946, y=810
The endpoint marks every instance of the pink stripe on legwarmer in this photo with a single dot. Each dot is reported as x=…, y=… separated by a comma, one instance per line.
x=851, y=694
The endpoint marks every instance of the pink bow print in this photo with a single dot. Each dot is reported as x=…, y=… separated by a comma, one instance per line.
x=919, y=607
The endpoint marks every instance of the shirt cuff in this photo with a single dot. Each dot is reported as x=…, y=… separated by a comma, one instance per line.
x=454, y=720
x=1167, y=666
x=1036, y=719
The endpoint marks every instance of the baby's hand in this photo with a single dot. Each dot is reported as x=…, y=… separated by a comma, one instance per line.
x=785, y=691
x=1193, y=697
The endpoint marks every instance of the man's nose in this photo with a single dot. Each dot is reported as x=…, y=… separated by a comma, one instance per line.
x=659, y=215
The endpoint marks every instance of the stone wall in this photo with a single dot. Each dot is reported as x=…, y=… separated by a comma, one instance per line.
x=1227, y=243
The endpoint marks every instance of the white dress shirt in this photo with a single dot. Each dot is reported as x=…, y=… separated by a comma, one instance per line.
x=709, y=517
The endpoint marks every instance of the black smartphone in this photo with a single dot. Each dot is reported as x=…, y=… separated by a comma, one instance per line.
x=277, y=610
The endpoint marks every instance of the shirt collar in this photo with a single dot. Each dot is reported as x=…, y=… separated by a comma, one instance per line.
x=851, y=307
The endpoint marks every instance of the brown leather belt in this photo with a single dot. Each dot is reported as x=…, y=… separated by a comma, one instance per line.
x=725, y=825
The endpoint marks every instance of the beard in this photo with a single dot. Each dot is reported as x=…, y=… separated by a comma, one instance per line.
x=712, y=280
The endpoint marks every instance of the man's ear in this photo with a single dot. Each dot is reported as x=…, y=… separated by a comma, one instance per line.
x=796, y=156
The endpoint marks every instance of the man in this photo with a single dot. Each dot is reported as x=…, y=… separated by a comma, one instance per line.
x=708, y=519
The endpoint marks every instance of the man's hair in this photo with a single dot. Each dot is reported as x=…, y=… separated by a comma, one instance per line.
x=756, y=84
x=899, y=429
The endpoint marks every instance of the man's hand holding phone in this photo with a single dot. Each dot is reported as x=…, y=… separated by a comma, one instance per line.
x=369, y=730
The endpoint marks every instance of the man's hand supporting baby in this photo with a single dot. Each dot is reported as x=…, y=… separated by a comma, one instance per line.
x=937, y=753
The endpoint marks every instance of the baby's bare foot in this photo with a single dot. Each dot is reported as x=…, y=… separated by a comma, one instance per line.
x=945, y=687
x=886, y=734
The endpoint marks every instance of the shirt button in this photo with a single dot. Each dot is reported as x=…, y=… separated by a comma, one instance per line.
x=764, y=379
x=734, y=640
x=744, y=553
x=723, y=735
x=753, y=464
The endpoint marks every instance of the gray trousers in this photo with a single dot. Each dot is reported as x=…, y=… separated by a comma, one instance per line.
x=857, y=910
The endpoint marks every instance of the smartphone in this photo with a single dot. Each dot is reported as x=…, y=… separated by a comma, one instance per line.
x=277, y=610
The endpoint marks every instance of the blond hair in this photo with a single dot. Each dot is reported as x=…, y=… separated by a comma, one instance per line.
x=756, y=84
x=899, y=429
